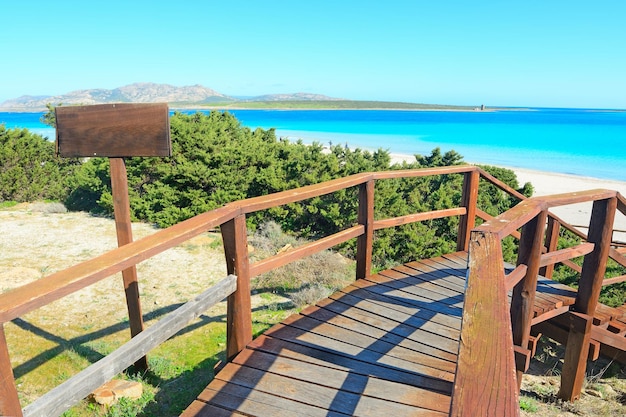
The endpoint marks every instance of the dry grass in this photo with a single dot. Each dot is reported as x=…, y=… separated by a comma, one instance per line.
x=305, y=281
x=604, y=391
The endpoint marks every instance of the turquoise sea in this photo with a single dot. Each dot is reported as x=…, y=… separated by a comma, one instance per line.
x=589, y=143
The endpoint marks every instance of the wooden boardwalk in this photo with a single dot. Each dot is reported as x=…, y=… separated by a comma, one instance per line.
x=386, y=345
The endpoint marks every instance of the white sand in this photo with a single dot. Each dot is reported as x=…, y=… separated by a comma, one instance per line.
x=547, y=183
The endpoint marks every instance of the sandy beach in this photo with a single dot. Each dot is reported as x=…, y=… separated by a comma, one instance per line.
x=546, y=183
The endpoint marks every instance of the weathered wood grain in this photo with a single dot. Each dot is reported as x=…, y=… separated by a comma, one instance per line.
x=113, y=130
x=486, y=347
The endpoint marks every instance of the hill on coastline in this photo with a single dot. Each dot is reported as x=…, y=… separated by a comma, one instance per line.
x=198, y=96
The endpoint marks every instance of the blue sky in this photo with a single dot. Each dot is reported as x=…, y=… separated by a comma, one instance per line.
x=548, y=53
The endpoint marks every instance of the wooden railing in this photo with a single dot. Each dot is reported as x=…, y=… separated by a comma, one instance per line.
x=231, y=219
x=487, y=325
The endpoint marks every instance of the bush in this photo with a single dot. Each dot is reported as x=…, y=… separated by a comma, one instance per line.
x=29, y=169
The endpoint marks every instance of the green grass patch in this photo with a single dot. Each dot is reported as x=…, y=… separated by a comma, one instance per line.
x=8, y=204
x=528, y=404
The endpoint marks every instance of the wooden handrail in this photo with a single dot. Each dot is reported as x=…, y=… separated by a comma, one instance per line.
x=28, y=297
x=484, y=383
x=303, y=251
x=567, y=253
x=531, y=214
x=418, y=217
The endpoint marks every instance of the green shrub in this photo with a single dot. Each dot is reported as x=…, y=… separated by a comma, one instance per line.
x=215, y=160
x=29, y=169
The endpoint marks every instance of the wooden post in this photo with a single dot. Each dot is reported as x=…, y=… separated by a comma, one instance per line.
x=589, y=286
x=469, y=200
x=523, y=299
x=594, y=264
x=575, y=361
x=239, y=308
x=9, y=401
x=123, y=227
x=365, y=241
x=551, y=243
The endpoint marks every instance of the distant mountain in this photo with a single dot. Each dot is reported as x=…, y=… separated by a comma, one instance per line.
x=293, y=97
x=146, y=93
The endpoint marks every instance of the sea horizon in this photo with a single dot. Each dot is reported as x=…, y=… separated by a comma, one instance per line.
x=581, y=142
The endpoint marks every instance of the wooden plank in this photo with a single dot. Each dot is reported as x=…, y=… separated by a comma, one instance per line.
x=418, y=217
x=344, y=380
x=449, y=265
x=455, y=301
x=415, y=301
x=329, y=358
x=340, y=401
x=508, y=222
x=501, y=185
x=551, y=243
x=411, y=327
x=549, y=314
x=440, y=279
x=349, y=350
x=253, y=402
x=617, y=255
x=560, y=334
x=305, y=250
x=448, y=277
x=63, y=396
x=434, y=273
x=362, y=341
x=113, y=130
x=515, y=276
x=599, y=194
x=523, y=300
x=202, y=409
x=552, y=258
x=485, y=382
x=422, y=353
x=614, y=280
x=423, y=280
x=424, y=172
x=404, y=307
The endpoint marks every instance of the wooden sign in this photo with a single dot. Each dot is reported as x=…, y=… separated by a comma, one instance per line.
x=113, y=130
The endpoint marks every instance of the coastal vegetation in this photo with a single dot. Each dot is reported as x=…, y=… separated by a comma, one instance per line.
x=216, y=160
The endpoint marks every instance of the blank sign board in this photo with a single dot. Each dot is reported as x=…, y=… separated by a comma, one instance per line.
x=113, y=130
